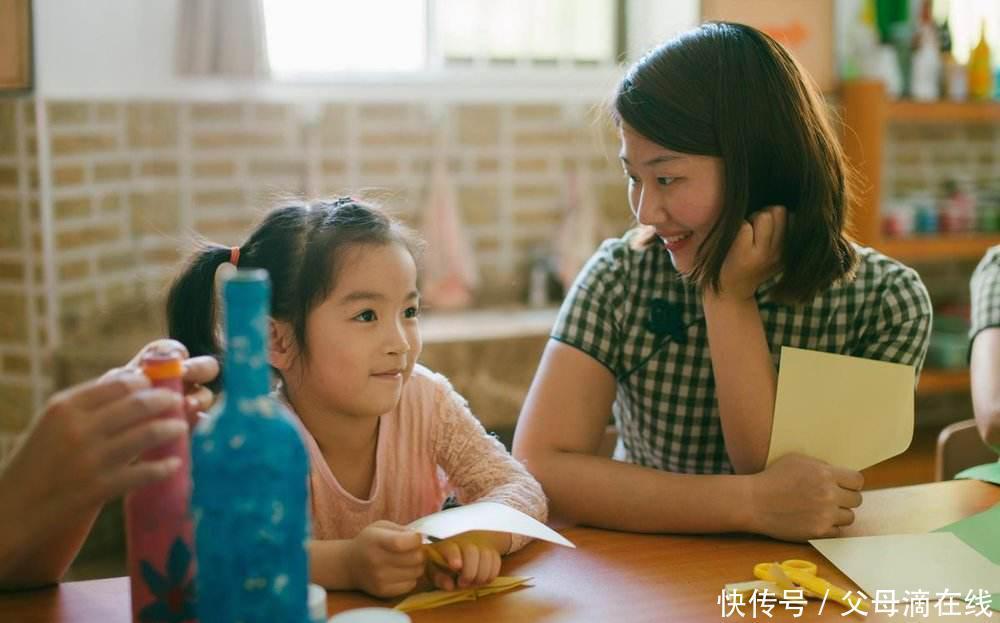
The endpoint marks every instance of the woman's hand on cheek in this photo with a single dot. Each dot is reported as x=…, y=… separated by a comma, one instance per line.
x=755, y=254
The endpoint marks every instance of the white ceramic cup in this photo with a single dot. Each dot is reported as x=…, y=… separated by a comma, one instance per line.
x=370, y=615
x=317, y=603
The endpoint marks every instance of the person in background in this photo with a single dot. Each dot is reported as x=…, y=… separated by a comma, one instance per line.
x=80, y=453
x=984, y=353
x=388, y=439
x=740, y=188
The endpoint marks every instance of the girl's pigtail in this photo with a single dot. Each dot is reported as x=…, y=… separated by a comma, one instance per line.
x=191, y=313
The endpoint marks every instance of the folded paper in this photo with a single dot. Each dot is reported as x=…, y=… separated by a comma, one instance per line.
x=436, y=599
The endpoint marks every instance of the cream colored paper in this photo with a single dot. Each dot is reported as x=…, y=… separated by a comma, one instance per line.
x=907, y=563
x=485, y=516
x=847, y=411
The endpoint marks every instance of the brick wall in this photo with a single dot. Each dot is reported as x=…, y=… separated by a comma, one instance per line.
x=129, y=182
x=126, y=183
x=23, y=337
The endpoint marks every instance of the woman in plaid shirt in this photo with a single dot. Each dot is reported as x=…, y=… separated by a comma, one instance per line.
x=984, y=358
x=740, y=187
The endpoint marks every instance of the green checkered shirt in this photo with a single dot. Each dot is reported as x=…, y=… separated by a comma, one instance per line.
x=665, y=405
x=985, y=290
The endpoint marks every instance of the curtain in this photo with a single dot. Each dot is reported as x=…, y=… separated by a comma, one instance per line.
x=221, y=38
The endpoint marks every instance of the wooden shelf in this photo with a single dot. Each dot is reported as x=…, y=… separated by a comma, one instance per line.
x=866, y=112
x=943, y=112
x=940, y=381
x=946, y=247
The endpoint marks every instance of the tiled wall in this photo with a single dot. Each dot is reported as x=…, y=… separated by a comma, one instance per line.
x=128, y=183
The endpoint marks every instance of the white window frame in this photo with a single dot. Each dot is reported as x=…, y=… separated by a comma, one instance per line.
x=647, y=22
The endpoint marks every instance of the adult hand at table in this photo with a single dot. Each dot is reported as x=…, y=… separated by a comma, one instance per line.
x=81, y=452
x=82, y=449
x=799, y=498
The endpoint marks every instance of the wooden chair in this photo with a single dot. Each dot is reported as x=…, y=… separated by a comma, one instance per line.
x=959, y=447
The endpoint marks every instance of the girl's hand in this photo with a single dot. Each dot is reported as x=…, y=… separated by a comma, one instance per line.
x=473, y=559
x=800, y=498
x=197, y=372
x=385, y=559
x=754, y=255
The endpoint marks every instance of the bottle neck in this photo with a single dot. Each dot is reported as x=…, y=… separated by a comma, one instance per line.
x=246, y=373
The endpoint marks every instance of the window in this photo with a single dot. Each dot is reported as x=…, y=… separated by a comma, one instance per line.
x=310, y=39
x=965, y=20
x=527, y=31
x=305, y=37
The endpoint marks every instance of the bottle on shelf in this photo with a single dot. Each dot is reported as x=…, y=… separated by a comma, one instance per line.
x=949, y=66
x=250, y=480
x=980, y=71
x=926, y=218
x=158, y=529
x=926, y=69
x=957, y=208
x=862, y=55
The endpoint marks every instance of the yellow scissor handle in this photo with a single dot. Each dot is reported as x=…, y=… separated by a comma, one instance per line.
x=772, y=572
x=794, y=572
x=815, y=584
x=767, y=570
x=799, y=565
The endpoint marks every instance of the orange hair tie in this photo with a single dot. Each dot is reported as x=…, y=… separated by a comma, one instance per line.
x=234, y=256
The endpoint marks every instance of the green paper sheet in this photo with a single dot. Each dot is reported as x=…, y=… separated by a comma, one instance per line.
x=990, y=472
x=981, y=532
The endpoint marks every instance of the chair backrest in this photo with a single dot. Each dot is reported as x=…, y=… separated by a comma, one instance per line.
x=959, y=447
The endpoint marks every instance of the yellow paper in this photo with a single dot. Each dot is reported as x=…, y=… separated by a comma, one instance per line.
x=485, y=516
x=907, y=563
x=847, y=411
x=436, y=599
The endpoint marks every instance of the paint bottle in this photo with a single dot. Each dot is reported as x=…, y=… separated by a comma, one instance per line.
x=250, y=479
x=980, y=72
x=158, y=531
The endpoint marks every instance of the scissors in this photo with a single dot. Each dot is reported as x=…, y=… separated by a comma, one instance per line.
x=803, y=573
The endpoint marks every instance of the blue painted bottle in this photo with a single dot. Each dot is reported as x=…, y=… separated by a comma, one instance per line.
x=250, y=480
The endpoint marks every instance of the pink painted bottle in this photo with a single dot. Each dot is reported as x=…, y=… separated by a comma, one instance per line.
x=158, y=526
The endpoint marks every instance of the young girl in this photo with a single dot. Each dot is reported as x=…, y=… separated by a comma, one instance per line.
x=739, y=185
x=380, y=428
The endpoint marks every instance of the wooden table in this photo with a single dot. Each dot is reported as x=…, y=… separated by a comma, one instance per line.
x=611, y=577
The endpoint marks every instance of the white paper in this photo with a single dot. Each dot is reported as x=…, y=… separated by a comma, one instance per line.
x=485, y=516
